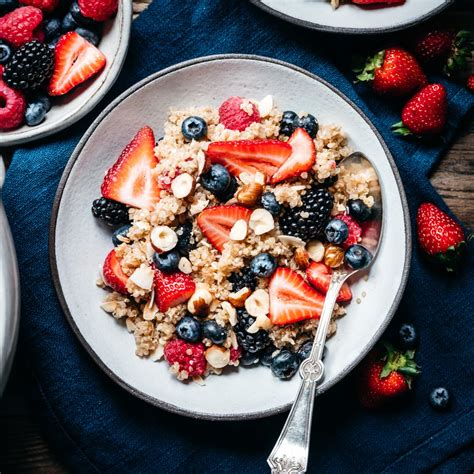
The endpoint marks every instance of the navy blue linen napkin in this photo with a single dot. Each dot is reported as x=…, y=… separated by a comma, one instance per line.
x=97, y=427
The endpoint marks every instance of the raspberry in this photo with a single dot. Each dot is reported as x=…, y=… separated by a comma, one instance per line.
x=12, y=107
x=188, y=356
x=235, y=354
x=233, y=117
x=45, y=5
x=470, y=82
x=21, y=25
x=99, y=10
x=355, y=230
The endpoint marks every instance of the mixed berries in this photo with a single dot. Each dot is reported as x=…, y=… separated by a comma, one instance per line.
x=47, y=48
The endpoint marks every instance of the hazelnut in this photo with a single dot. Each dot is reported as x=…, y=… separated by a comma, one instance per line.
x=249, y=194
x=217, y=356
x=183, y=185
x=163, y=238
x=261, y=221
x=239, y=230
x=185, y=266
x=315, y=250
x=258, y=303
x=200, y=302
x=301, y=258
x=333, y=256
x=238, y=299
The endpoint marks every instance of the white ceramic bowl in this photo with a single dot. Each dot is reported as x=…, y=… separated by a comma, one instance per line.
x=350, y=18
x=70, y=108
x=76, y=256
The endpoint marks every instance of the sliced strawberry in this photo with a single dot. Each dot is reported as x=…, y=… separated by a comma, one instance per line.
x=172, y=289
x=130, y=180
x=302, y=158
x=113, y=274
x=76, y=60
x=319, y=275
x=250, y=156
x=292, y=299
x=216, y=222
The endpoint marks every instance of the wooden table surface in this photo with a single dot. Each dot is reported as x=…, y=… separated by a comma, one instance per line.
x=24, y=448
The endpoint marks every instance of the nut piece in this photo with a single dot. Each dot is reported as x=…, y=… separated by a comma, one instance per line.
x=130, y=324
x=259, y=178
x=158, y=353
x=239, y=230
x=185, y=265
x=258, y=303
x=250, y=193
x=183, y=185
x=301, y=258
x=261, y=221
x=143, y=277
x=203, y=163
x=200, y=302
x=333, y=256
x=163, y=238
x=149, y=312
x=217, y=356
x=246, y=177
x=231, y=311
x=315, y=250
x=265, y=106
x=291, y=240
x=238, y=299
x=262, y=322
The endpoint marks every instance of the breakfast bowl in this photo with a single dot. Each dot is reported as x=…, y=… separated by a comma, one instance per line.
x=69, y=108
x=76, y=257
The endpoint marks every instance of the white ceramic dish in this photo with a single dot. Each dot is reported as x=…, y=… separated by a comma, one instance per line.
x=72, y=107
x=76, y=256
x=350, y=18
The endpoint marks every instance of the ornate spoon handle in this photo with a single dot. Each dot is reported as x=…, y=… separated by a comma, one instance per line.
x=290, y=453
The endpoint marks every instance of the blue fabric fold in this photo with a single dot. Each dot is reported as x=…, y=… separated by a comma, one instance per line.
x=95, y=426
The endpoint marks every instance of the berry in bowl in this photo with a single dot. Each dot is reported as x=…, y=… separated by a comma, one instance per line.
x=57, y=59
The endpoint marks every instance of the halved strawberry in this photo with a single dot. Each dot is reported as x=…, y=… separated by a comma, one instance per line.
x=76, y=60
x=319, y=275
x=250, y=156
x=113, y=274
x=130, y=180
x=216, y=222
x=302, y=158
x=172, y=289
x=292, y=299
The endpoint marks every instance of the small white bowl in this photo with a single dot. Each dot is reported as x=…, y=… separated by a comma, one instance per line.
x=70, y=108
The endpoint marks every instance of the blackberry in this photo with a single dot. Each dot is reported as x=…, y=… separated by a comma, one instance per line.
x=111, y=212
x=30, y=66
x=316, y=210
x=244, y=279
x=185, y=238
x=251, y=343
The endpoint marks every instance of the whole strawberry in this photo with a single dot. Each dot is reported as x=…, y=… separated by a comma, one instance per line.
x=384, y=375
x=444, y=48
x=394, y=72
x=425, y=113
x=440, y=237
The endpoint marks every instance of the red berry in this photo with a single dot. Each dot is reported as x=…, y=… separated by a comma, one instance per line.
x=470, y=82
x=234, y=117
x=172, y=289
x=12, y=107
x=235, y=354
x=113, y=275
x=187, y=358
x=355, y=230
x=21, y=25
x=99, y=10
x=45, y=5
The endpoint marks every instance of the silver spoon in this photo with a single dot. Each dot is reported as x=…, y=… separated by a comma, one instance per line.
x=290, y=453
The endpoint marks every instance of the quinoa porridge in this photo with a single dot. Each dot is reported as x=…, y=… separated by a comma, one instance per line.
x=226, y=232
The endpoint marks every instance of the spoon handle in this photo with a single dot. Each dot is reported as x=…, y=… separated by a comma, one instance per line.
x=290, y=453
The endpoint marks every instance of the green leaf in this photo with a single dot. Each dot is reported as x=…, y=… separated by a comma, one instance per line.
x=400, y=129
x=366, y=72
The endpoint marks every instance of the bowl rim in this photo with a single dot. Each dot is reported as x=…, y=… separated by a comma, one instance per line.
x=57, y=201
x=22, y=136
x=350, y=31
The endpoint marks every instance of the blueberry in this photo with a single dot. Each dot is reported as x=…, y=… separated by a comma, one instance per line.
x=5, y=52
x=52, y=28
x=229, y=192
x=44, y=99
x=408, y=337
x=7, y=6
x=358, y=210
x=35, y=113
x=68, y=23
x=308, y=123
x=247, y=359
x=89, y=35
x=288, y=122
x=357, y=257
x=336, y=231
x=189, y=329
x=167, y=261
x=440, y=398
x=120, y=232
x=80, y=19
x=216, y=179
x=285, y=364
x=305, y=350
x=185, y=234
x=263, y=265
x=266, y=355
x=213, y=331
x=194, y=128
x=269, y=202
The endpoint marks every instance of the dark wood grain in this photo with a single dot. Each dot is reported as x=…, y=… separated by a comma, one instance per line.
x=23, y=448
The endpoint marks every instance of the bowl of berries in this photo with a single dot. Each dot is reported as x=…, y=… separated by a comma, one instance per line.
x=57, y=61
